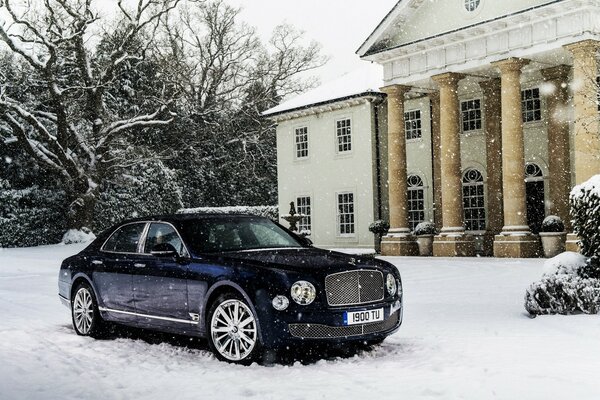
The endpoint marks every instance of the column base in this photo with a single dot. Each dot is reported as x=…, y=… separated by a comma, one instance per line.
x=517, y=246
x=459, y=245
x=404, y=245
x=573, y=243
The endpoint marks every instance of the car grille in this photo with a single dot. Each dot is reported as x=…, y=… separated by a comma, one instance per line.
x=354, y=287
x=316, y=331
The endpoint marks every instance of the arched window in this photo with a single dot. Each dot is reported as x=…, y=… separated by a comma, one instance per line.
x=533, y=173
x=416, y=201
x=473, y=200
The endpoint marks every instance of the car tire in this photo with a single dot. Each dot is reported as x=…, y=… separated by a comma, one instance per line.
x=232, y=330
x=85, y=315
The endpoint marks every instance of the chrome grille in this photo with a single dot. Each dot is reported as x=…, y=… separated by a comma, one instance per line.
x=316, y=331
x=354, y=287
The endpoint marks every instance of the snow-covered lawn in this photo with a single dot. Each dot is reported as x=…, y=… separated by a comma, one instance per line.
x=465, y=336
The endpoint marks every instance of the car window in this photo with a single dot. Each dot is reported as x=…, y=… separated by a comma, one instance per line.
x=125, y=239
x=163, y=233
x=213, y=235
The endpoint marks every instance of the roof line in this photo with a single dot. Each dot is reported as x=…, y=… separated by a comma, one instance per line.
x=460, y=29
x=322, y=103
x=378, y=26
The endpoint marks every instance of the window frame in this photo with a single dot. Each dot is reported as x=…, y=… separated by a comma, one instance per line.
x=471, y=5
x=419, y=128
x=147, y=230
x=140, y=243
x=336, y=136
x=476, y=196
x=296, y=143
x=524, y=111
x=481, y=118
x=410, y=190
x=338, y=214
x=309, y=215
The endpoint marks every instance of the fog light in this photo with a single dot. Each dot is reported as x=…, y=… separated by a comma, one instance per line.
x=280, y=303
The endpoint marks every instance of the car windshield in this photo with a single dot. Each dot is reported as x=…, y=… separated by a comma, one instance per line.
x=220, y=234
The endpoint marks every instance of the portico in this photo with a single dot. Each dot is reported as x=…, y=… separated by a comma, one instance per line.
x=515, y=91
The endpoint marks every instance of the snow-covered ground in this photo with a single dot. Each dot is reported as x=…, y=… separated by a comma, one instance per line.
x=465, y=336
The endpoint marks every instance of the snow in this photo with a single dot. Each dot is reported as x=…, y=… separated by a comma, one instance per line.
x=566, y=263
x=367, y=79
x=465, y=336
x=592, y=185
x=78, y=236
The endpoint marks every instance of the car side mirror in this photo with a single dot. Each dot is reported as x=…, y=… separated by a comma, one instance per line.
x=164, y=250
x=308, y=241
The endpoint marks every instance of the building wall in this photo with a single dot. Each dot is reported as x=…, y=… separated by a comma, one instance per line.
x=325, y=173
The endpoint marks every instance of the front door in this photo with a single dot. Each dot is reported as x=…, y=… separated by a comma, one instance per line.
x=160, y=283
x=536, y=211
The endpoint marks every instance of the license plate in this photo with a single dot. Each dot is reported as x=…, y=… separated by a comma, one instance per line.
x=363, y=317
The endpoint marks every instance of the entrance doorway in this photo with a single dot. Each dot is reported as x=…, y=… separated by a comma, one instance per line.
x=534, y=186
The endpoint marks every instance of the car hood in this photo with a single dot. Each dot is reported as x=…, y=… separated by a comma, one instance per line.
x=301, y=259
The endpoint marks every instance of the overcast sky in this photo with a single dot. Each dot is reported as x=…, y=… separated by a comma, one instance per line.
x=340, y=26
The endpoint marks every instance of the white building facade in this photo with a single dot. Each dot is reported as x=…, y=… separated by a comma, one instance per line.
x=496, y=106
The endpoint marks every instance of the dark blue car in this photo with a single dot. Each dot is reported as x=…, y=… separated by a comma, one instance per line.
x=245, y=283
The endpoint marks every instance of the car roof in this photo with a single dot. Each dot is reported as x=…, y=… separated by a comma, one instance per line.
x=187, y=217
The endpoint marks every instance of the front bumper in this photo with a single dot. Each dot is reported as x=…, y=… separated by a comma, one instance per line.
x=303, y=325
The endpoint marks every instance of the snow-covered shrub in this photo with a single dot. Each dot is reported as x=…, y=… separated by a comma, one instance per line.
x=425, y=228
x=564, y=288
x=31, y=217
x=585, y=211
x=553, y=224
x=271, y=212
x=146, y=188
x=82, y=235
x=379, y=227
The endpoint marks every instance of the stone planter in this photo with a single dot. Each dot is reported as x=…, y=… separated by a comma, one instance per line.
x=425, y=243
x=553, y=243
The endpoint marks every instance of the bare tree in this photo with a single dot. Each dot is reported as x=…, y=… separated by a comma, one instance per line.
x=55, y=129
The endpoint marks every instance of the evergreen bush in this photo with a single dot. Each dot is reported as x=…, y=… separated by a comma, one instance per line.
x=425, y=228
x=379, y=227
x=553, y=224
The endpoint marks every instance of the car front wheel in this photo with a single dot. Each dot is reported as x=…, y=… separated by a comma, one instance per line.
x=233, y=330
x=84, y=311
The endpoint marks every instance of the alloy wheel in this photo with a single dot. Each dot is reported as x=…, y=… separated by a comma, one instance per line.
x=233, y=330
x=83, y=311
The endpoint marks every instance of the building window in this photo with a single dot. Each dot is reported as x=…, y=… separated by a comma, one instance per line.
x=416, y=201
x=303, y=207
x=412, y=124
x=345, y=217
x=302, y=142
x=471, y=5
x=471, y=115
x=531, y=105
x=473, y=200
x=344, y=135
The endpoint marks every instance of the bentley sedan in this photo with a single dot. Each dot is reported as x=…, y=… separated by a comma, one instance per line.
x=244, y=283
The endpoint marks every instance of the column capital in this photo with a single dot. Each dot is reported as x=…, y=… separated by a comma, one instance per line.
x=511, y=64
x=490, y=87
x=556, y=73
x=448, y=78
x=583, y=47
x=396, y=90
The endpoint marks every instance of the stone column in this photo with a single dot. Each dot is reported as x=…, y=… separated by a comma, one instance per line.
x=452, y=240
x=559, y=156
x=515, y=239
x=586, y=130
x=398, y=241
x=493, y=147
x=434, y=98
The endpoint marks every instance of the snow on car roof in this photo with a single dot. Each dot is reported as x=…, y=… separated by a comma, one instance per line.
x=363, y=81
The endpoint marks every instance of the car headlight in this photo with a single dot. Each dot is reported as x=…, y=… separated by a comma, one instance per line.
x=391, y=285
x=303, y=292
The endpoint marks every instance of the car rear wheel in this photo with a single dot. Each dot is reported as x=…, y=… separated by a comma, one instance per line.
x=84, y=312
x=233, y=330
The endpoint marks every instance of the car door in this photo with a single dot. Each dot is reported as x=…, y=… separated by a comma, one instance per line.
x=160, y=283
x=113, y=271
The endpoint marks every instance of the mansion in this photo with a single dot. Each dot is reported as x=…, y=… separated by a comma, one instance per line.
x=481, y=122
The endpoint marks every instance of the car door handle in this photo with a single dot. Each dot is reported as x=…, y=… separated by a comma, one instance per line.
x=139, y=265
x=97, y=262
